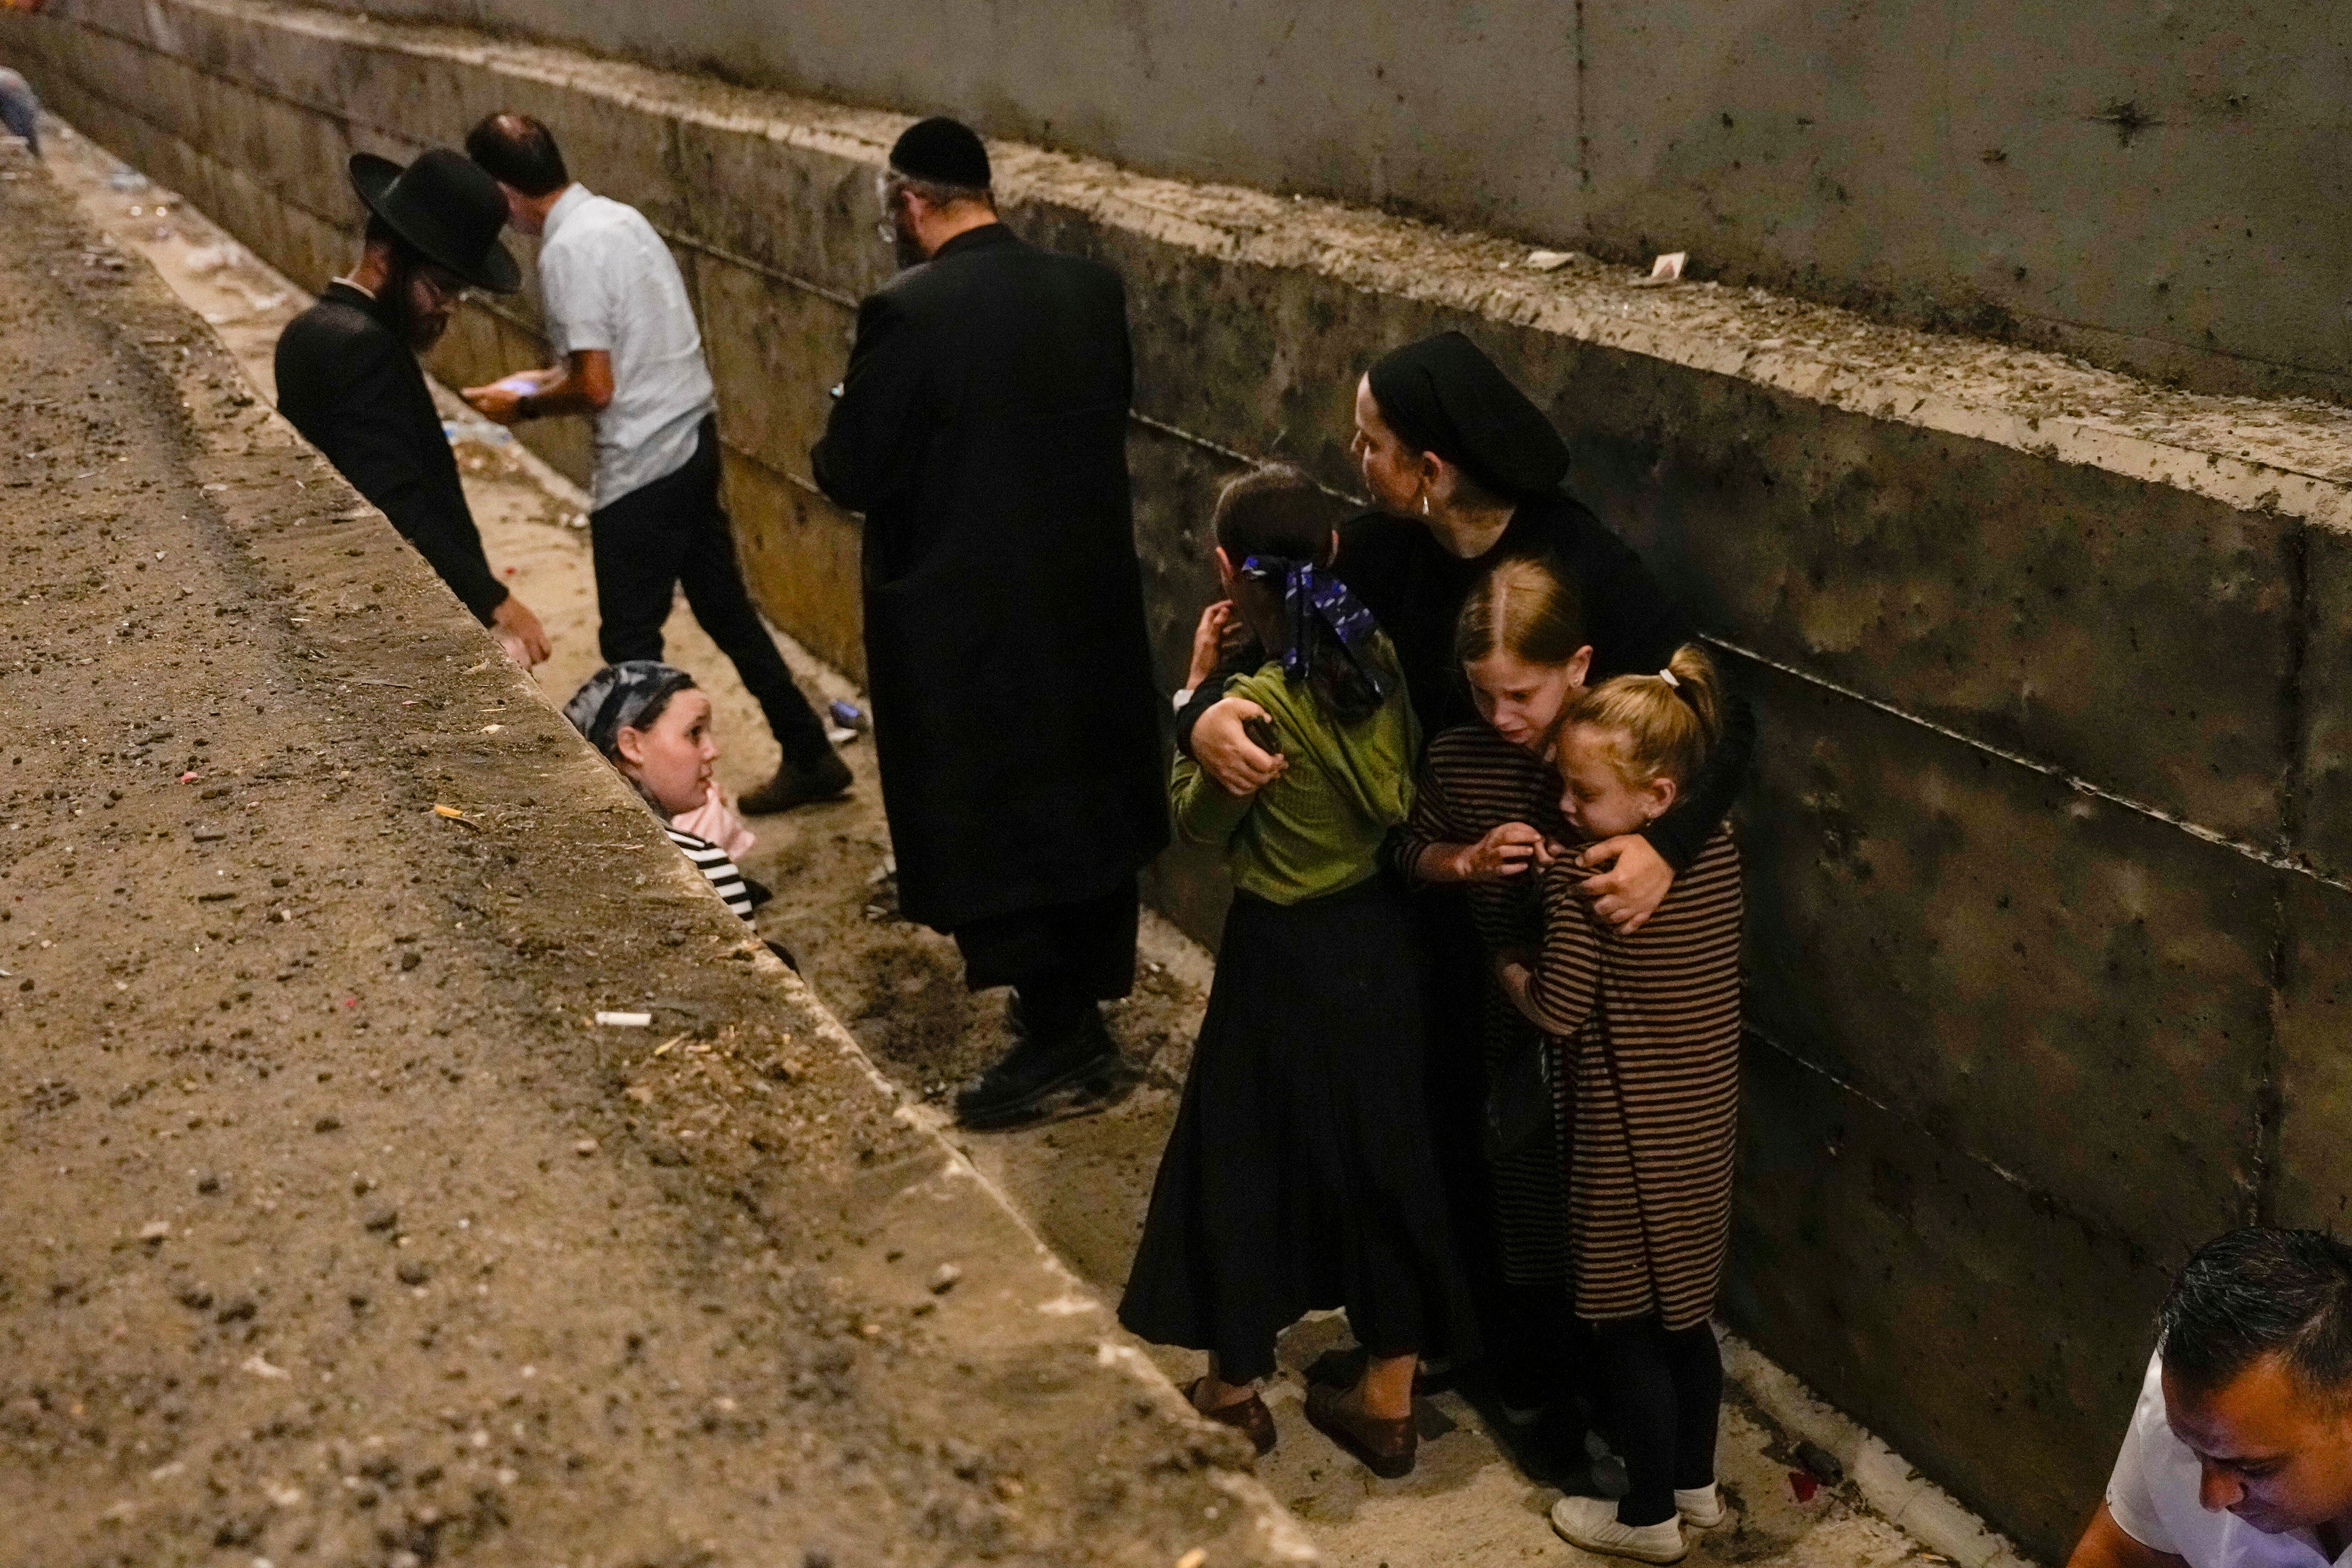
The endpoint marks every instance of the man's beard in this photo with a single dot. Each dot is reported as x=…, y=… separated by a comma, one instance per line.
x=903, y=242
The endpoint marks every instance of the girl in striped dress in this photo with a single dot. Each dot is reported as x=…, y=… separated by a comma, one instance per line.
x=1649, y=1026
x=1487, y=819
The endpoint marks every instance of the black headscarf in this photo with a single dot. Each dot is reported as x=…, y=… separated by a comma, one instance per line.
x=1443, y=394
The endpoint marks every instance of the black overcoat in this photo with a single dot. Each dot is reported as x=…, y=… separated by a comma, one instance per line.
x=350, y=385
x=981, y=428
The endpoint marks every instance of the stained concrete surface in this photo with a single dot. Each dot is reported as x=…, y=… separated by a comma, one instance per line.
x=1082, y=1182
x=340, y=1233
x=2104, y=176
x=2043, y=653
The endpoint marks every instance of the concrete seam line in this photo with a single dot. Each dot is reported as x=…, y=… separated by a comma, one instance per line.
x=1991, y=1167
x=2074, y=782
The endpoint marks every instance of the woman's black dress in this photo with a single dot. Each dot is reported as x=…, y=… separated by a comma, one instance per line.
x=1299, y=1173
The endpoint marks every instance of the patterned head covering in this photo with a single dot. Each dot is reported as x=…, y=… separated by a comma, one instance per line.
x=618, y=697
x=1312, y=595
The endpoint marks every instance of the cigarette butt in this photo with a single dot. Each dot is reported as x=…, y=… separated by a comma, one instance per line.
x=625, y=1020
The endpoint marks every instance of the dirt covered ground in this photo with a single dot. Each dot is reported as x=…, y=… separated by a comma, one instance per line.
x=1080, y=1181
x=337, y=1233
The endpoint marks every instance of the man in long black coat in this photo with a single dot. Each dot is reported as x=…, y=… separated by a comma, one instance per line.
x=981, y=429
x=349, y=381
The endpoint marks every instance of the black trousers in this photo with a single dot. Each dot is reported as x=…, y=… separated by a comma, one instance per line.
x=1665, y=1391
x=673, y=533
x=1059, y=958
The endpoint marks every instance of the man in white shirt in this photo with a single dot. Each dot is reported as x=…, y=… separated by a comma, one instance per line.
x=628, y=354
x=2240, y=1452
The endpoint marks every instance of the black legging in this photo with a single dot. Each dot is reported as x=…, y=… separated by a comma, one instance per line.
x=1663, y=1391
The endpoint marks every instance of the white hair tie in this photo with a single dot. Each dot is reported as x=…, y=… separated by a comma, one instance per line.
x=1668, y=676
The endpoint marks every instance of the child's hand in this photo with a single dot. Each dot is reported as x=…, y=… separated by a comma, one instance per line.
x=1209, y=641
x=1515, y=972
x=1505, y=851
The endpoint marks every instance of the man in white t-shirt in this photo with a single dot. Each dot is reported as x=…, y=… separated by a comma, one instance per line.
x=629, y=356
x=2240, y=1452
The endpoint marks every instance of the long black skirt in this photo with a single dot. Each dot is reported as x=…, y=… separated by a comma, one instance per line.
x=1300, y=1173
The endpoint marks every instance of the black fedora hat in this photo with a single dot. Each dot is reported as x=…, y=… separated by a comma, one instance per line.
x=445, y=206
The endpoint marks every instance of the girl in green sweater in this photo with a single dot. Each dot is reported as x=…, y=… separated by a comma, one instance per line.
x=1299, y=1173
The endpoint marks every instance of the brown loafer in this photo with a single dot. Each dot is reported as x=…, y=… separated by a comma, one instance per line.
x=1248, y=1416
x=1387, y=1448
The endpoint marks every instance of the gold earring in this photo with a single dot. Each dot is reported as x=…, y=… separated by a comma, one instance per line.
x=1425, y=503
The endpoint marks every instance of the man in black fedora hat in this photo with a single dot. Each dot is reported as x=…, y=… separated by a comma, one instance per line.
x=349, y=381
x=981, y=428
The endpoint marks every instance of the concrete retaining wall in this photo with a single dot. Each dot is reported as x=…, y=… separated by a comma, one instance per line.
x=2047, y=856
x=2151, y=185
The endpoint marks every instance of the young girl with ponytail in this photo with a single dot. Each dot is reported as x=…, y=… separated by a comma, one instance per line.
x=1299, y=1173
x=1648, y=1025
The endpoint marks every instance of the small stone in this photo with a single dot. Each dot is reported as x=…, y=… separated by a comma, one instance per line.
x=410, y=959
x=944, y=1278
x=208, y=1185
x=584, y=1147
x=196, y=1298
x=412, y=1272
x=383, y=1217
x=155, y=1231
x=325, y=1124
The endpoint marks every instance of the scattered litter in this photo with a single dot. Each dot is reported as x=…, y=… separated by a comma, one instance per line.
x=1552, y=260
x=126, y=180
x=625, y=1020
x=663, y=1049
x=836, y=736
x=480, y=431
x=492, y=729
x=1821, y=1462
x=455, y=815
x=207, y=258
x=1802, y=1486
x=188, y=777
x=848, y=716
x=1668, y=268
x=255, y=1364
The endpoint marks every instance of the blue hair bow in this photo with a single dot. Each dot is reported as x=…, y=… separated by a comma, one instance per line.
x=1311, y=595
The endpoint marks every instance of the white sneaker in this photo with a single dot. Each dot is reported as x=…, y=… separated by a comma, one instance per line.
x=1702, y=1508
x=1590, y=1522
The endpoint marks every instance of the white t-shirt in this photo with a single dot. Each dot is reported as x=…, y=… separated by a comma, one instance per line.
x=610, y=283
x=2153, y=1496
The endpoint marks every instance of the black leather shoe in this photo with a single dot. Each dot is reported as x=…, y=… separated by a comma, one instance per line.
x=1036, y=1070
x=826, y=778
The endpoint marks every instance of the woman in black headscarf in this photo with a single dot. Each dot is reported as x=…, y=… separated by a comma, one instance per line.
x=1466, y=473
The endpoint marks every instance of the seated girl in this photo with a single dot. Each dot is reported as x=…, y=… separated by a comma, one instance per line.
x=1300, y=1174
x=1649, y=1026
x=653, y=725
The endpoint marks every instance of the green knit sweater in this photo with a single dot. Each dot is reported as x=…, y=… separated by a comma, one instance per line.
x=1317, y=828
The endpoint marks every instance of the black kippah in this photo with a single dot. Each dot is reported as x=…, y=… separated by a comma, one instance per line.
x=1443, y=394
x=942, y=151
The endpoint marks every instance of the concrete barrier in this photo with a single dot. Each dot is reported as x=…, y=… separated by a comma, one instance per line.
x=2051, y=845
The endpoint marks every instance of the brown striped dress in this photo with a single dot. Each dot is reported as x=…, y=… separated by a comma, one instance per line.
x=1472, y=782
x=1651, y=1025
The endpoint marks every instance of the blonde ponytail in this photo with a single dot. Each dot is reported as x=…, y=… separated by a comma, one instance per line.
x=1662, y=725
